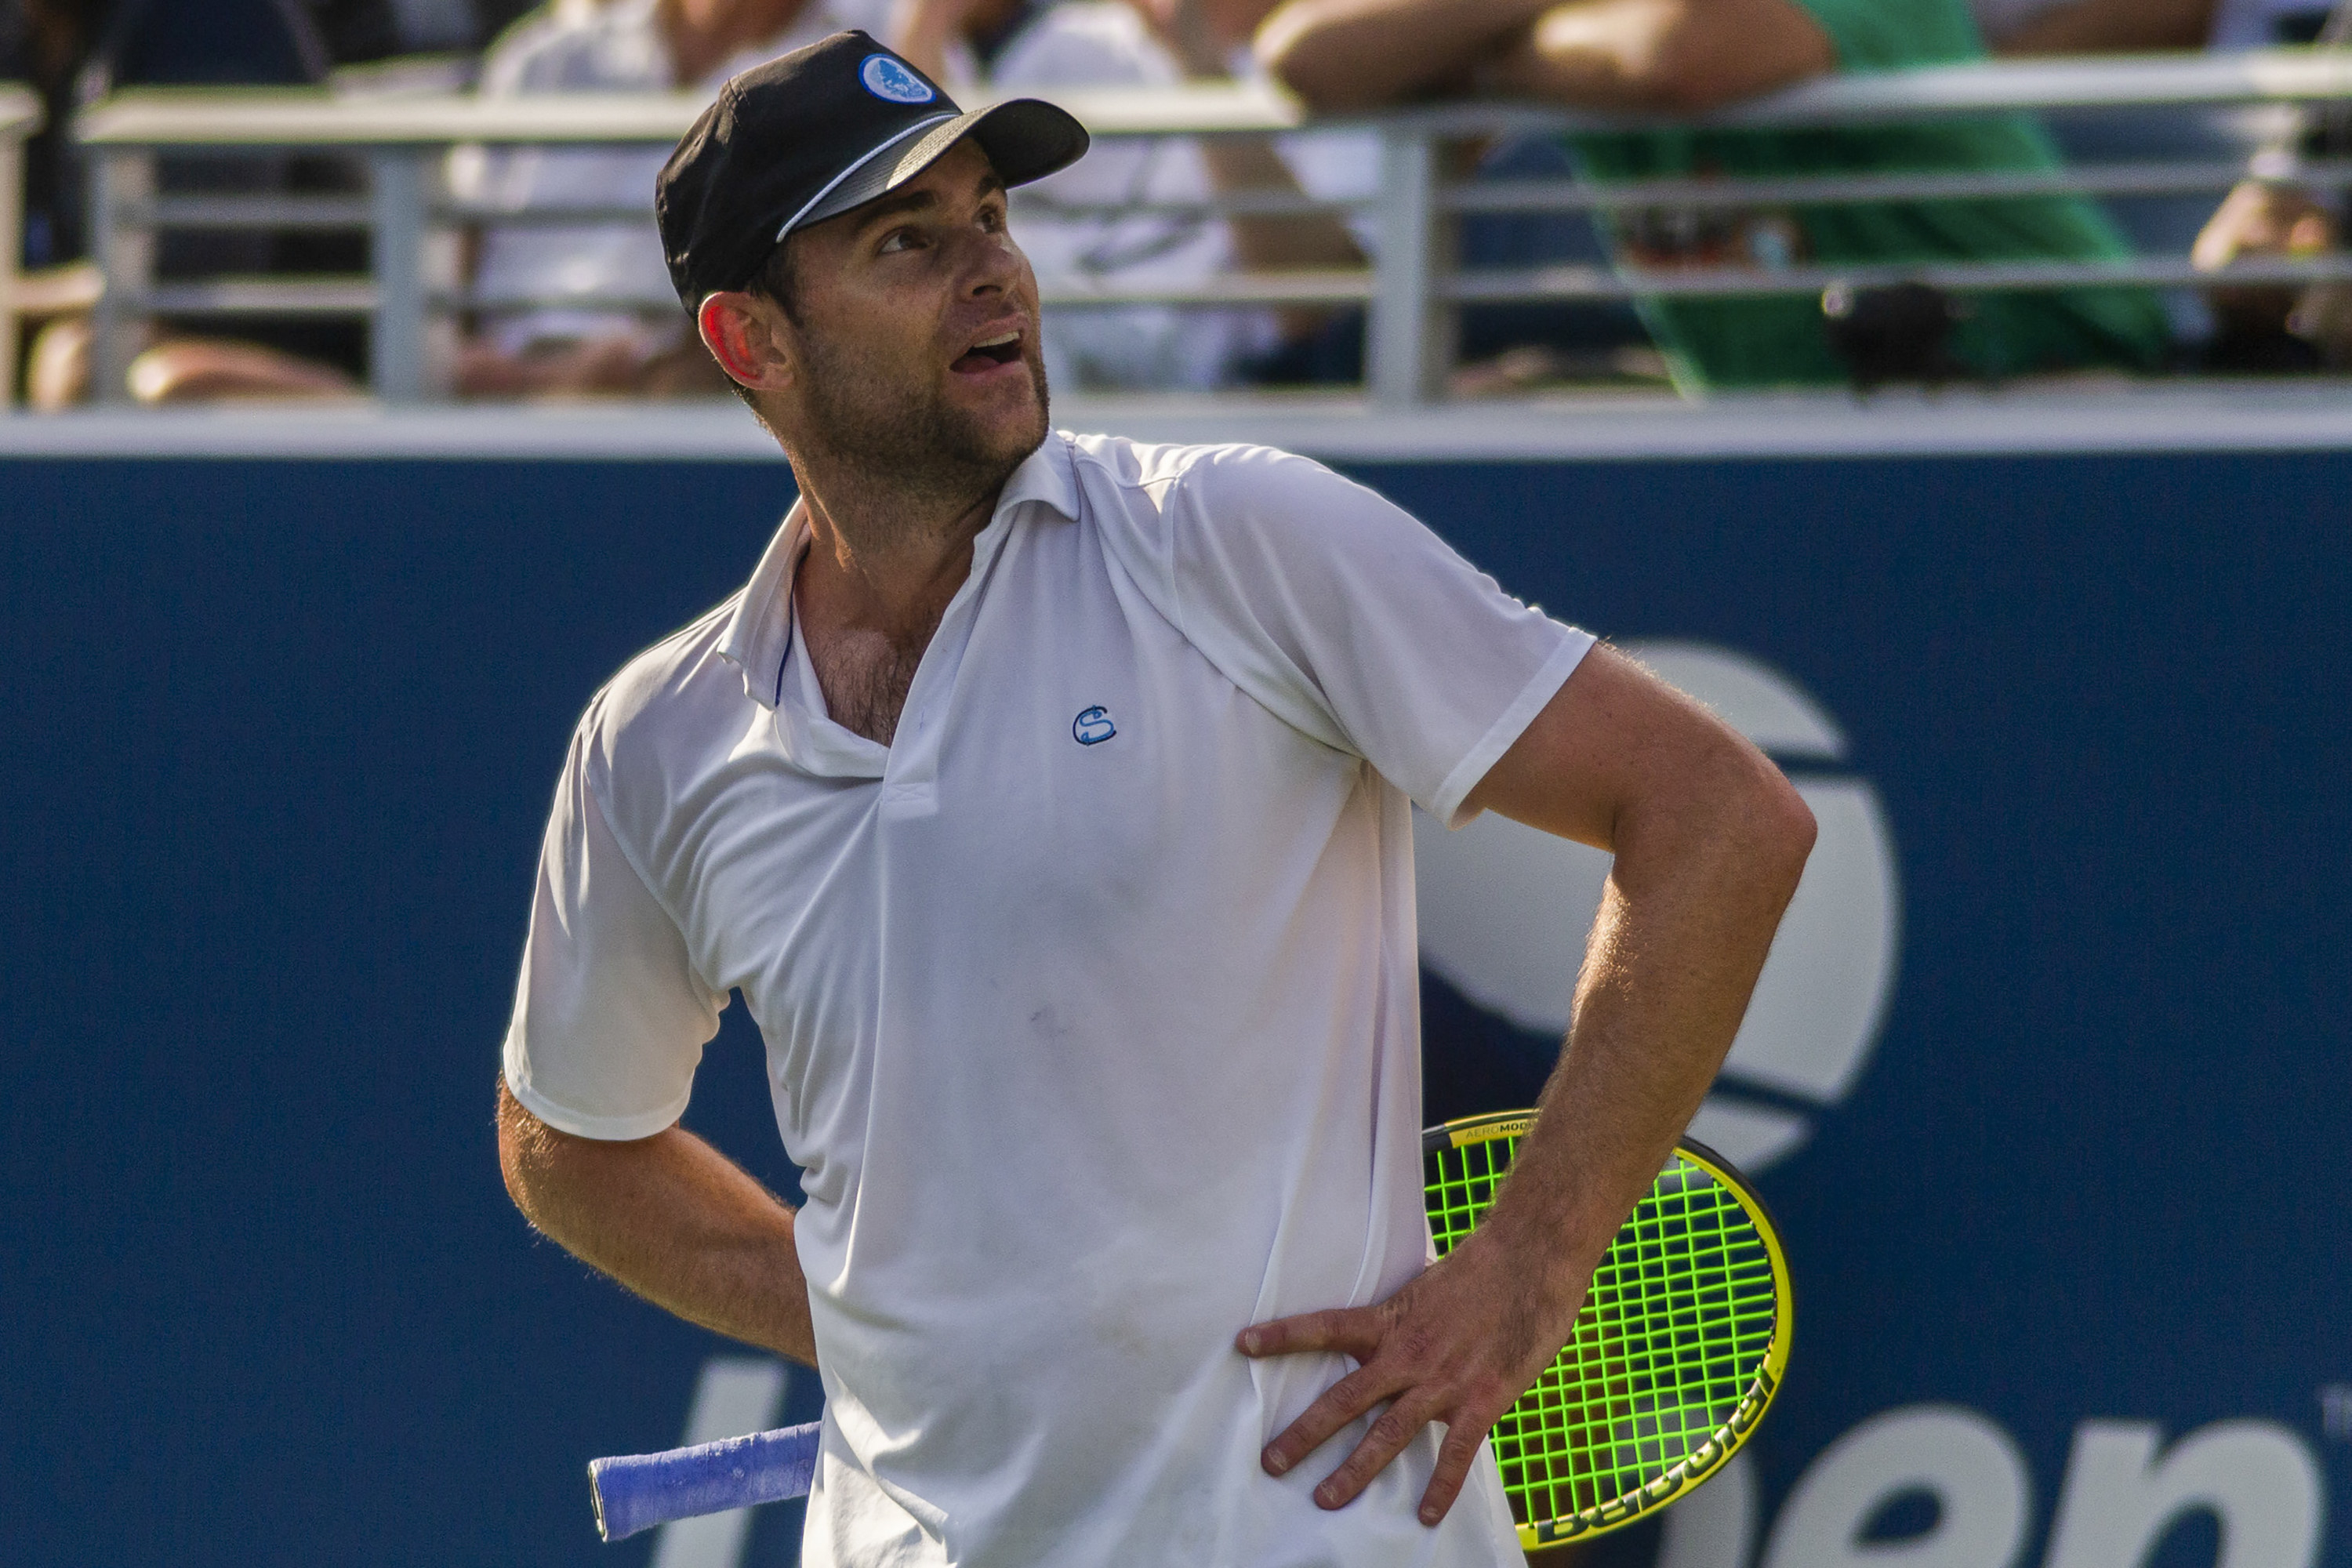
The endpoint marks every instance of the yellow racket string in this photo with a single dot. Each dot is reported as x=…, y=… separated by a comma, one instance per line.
x=1673, y=1334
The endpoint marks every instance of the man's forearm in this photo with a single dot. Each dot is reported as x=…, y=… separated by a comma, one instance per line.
x=1673, y=57
x=1342, y=55
x=671, y=1218
x=1684, y=926
x=1663, y=56
x=2110, y=27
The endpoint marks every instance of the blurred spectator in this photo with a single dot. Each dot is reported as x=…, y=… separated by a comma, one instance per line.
x=42, y=44
x=181, y=43
x=84, y=51
x=2274, y=213
x=76, y=51
x=2156, y=224
x=1499, y=347
x=2263, y=23
x=1009, y=47
x=47, y=43
x=2265, y=328
x=2092, y=26
x=1685, y=59
x=623, y=331
x=2259, y=329
x=359, y=31
x=2129, y=27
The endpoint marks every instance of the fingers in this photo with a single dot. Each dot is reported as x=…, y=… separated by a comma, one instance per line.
x=1351, y=1331
x=1339, y=1405
x=1390, y=1435
x=1347, y=1331
x=1416, y=1373
x=1386, y=1439
x=1455, y=1457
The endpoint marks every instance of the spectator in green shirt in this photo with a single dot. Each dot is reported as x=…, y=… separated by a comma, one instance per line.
x=1686, y=57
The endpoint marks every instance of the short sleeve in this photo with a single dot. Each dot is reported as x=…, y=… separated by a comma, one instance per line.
x=610, y=1018
x=1352, y=621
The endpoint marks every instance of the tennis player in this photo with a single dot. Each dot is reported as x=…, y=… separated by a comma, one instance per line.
x=1047, y=798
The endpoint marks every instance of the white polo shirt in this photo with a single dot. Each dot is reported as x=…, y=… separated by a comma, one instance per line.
x=1090, y=1004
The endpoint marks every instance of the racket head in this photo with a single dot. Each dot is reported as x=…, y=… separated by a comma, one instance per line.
x=1680, y=1346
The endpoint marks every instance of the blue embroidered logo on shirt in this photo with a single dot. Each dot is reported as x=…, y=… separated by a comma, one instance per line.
x=1092, y=727
x=886, y=80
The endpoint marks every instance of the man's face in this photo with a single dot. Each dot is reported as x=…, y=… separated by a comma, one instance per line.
x=914, y=330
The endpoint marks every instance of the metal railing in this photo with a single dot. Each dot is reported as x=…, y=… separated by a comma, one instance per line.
x=1410, y=290
x=20, y=117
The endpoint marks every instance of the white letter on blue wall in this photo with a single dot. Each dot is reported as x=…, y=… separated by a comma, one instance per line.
x=2255, y=1477
x=1971, y=1467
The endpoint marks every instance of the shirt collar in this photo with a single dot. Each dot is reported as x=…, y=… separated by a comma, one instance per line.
x=760, y=633
x=762, y=629
x=1047, y=475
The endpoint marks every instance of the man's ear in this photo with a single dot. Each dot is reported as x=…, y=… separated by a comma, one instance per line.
x=743, y=335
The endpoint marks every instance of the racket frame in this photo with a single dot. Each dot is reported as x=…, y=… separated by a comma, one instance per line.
x=1728, y=1439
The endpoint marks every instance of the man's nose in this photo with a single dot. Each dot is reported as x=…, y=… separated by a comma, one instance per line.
x=991, y=264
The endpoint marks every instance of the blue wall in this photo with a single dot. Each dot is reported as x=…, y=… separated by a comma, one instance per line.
x=282, y=736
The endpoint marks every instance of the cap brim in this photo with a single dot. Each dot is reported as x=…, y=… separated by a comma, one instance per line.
x=1026, y=138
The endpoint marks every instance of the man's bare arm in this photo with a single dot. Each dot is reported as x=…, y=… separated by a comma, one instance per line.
x=1675, y=56
x=2109, y=27
x=1709, y=841
x=671, y=1218
x=1342, y=55
x=1663, y=57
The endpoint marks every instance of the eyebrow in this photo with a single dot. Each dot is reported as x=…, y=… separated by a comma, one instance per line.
x=917, y=201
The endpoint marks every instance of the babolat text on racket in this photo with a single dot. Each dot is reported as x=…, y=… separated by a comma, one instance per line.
x=1682, y=1341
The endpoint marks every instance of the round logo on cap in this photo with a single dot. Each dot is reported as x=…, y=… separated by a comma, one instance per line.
x=885, y=78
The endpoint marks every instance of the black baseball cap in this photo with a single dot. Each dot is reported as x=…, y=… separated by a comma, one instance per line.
x=815, y=133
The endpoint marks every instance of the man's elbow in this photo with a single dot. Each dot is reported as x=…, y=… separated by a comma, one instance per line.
x=522, y=1149
x=1686, y=90
x=1297, y=51
x=1777, y=829
x=1322, y=91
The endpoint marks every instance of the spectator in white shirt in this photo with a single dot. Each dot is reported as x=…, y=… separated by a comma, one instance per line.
x=607, y=340
x=1011, y=47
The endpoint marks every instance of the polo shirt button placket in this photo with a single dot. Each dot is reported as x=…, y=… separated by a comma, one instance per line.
x=911, y=790
x=914, y=798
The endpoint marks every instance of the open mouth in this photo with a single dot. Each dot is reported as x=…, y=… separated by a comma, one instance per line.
x=988, y=353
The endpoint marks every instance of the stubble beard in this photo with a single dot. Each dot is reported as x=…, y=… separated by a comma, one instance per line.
x=932, y=454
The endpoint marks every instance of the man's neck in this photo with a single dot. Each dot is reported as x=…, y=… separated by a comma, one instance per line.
x=880, y=564
x=702, y=34
x=880, y=571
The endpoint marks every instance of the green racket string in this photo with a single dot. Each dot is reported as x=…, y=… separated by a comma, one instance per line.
x=1679, y=1319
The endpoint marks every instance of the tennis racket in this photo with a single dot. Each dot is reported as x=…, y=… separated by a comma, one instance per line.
x=1679, y=1348
x=1678, y=1352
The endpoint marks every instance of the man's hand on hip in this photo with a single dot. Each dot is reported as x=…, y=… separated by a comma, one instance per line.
x=1458, y=1345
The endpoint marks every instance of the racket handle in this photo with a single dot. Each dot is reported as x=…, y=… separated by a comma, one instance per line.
x=638, y=1491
